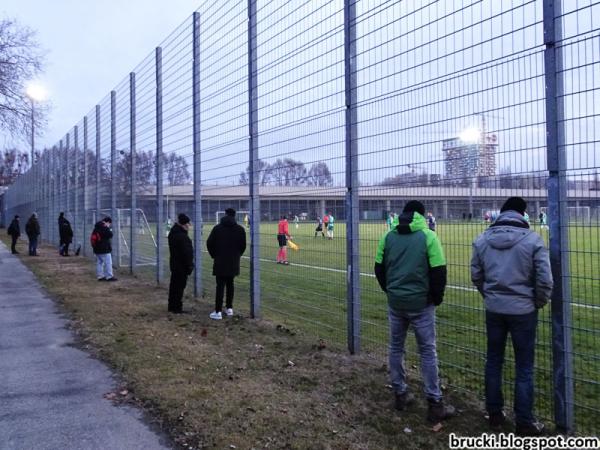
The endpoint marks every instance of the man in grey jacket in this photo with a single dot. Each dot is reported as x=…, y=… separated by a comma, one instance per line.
x=510, y=267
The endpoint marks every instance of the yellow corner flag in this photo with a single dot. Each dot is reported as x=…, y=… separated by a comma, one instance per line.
x=293, y=246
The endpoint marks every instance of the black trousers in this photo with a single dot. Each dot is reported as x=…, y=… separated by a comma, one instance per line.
x=176, y=288
x=222, y=283
x=13, y=243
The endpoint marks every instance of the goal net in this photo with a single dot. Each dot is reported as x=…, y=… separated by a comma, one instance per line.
x=579, y=214
x=239, y=216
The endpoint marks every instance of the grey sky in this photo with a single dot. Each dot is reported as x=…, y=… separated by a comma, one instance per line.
x=91, y=46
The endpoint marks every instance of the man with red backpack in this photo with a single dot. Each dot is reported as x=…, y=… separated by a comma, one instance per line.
x=101, y=244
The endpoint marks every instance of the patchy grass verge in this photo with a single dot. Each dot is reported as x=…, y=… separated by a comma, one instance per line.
x=237, y=383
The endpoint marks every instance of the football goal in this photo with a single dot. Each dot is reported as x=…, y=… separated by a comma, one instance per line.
x=239, y=216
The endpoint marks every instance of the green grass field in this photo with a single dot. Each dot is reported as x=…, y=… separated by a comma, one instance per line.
x=310, y=295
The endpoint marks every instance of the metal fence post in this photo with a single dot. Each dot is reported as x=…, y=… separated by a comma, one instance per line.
x=558, y=220
x=197, y=159
x=61, y=177
x=98, y=202
x=352, y=194
x=85, y=183
x=132, y=149
x=67, y=169
x=76, y=184
x=113, y=179
x=254, y=174
x=159, y=168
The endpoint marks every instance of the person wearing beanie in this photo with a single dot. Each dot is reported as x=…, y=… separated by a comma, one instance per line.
x=14, y=231
x=510, y=267
x=181, y=262
x=32, y=229
x=411, y=269
x=226, y=244
x=101, y=242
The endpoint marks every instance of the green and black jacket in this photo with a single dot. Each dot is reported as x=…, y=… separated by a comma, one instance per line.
x=410, y=265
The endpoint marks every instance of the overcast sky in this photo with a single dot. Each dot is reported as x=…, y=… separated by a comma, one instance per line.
x=91, y=46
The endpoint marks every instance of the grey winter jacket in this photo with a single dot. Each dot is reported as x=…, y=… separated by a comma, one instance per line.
x=510, y=266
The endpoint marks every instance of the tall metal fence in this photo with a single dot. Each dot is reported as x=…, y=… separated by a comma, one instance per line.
x=347, y=109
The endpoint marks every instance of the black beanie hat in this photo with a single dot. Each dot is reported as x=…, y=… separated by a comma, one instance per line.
x=183, y=219
x=515, y=204
x=414, y=206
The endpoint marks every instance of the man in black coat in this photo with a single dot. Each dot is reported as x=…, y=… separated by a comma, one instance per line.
x=32, y=229
x=226, y=244
x=14, y=231
x=181, y=262
x=66, y=234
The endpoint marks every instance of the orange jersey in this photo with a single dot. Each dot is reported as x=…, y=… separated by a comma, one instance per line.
x=283, y=227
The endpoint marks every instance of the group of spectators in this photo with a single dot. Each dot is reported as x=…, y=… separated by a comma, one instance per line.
x=510, y=268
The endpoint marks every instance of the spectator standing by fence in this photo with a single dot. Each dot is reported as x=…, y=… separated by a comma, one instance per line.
x=411, y=269
x=65, y=233
x=226, y=244
x=14, y=231
x=32, y=229
x=181, y=262
x=101, y=241
x=510, y=267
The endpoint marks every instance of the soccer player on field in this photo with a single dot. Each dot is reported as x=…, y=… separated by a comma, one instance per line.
x=283, y=234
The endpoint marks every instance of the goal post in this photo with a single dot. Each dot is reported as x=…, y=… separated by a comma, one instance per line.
x=239, y=216
x=580, y=214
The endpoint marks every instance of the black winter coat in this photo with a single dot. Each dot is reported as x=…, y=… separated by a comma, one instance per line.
x=226, y=244
x=14, y=229
x=65, y=231
x=104, y=245
x=181, y=250
x=32, y=227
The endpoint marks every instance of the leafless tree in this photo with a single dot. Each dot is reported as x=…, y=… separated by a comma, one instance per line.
x=20, y=62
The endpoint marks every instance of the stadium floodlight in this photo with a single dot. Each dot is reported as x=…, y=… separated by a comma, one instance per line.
x=36, y=92
x=471, y=135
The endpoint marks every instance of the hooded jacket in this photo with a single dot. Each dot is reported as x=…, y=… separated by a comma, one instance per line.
x=181, y=251
x=410, y=265
x=226, y=244
x=32, y=227
x=14, y=229
x=510, y=266
x=104, y=244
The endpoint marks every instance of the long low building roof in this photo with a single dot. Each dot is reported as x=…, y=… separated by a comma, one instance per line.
x=185, y=192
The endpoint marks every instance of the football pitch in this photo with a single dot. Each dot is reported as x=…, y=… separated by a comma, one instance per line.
x=310, y=295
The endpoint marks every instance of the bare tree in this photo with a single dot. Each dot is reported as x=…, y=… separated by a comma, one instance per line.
x=176, y=169
x=12, y=164
x=319, y=175
x=20, y=61
x=264, y=176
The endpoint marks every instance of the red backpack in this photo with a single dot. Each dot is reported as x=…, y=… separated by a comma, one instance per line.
x=95, y=238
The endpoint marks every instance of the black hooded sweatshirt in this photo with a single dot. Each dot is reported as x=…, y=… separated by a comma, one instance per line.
x=226, y=244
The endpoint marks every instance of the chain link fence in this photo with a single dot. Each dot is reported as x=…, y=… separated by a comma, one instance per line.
x=334, y=114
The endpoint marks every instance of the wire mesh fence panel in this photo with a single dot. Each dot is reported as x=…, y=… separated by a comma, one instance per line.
x=317, y=122
x=300, y=60
x=578, y=61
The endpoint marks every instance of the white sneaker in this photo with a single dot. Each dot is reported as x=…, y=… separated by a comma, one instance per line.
x=229, y=312
x=216, y=315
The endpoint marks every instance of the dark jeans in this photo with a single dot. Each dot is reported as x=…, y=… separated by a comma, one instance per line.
x=64, y=248
x=522, y=330
x=13, y=243
x=33, y=241
x=222, y=283
x=176, y=288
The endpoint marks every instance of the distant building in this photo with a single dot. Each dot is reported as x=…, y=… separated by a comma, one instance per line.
x=466, y=162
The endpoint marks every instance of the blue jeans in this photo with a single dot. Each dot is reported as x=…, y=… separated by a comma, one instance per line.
x=33, y=241
x=522, y=330
x=104, y=265
x=423, y=324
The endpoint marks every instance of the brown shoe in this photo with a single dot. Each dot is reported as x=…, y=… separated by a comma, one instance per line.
x=438, y=411
x=530, y=429
x=403, y=401
x=497, y=420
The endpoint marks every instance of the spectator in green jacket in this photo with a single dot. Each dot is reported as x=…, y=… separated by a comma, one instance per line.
x=411, y=269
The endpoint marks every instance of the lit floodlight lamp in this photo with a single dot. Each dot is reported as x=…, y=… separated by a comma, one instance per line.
x=36, y=92
x=471, y=135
